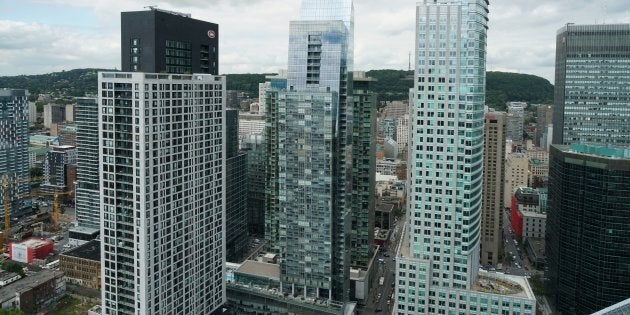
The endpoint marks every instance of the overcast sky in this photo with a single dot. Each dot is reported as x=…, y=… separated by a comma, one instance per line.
x=42, y=36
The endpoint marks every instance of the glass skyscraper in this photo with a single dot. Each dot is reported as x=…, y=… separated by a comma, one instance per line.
x=14, y=147
x=87, y=163
x=309, y=139
x=592, y=99
x=438, y=258
x=588, y=228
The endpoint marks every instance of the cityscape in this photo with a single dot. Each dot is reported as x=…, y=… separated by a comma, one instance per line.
x=164, y=185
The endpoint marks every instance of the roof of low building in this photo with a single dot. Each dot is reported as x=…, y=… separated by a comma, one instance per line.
x=24, y=284
x=90, y=251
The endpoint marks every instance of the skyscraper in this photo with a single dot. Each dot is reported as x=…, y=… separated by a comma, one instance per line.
x=591, y=100
x=363, y=169
x=162, y=162
x=88, y=177
x=237, y=232
x=493, y=187
x=14, y=161
x=309, y=139
x=438, y=258
x=163, y=41
x=588, y=228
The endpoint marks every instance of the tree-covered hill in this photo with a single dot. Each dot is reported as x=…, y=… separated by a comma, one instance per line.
x=390, y=85
x=502, y=87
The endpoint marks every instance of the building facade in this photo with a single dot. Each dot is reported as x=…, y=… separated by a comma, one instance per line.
x=516, y=175
x=160, y=41
x=591, y=100
x=588, y=228
x=515, y=120
x=14, y=140
x=437, y=268
x=493, y=187
x=82, y=265
x=56, y=167
x=544, y=118
x=254, y=146
x=163, y=192
x=309, y=140
x=237, y=232
x=88, y=175
x=363, y=170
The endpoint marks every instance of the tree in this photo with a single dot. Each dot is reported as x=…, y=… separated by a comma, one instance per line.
x=13, y=267
x=37, y=172
x=11, y=312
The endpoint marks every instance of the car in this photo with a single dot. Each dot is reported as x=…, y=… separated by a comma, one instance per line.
x=386, y=255
x=381, y=260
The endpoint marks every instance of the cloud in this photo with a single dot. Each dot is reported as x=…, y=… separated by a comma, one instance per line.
x=254, y=33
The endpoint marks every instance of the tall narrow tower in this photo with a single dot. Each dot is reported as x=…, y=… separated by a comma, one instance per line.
x=438, y=259
x=309, y=138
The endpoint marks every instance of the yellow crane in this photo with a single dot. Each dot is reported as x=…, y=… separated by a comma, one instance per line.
x=55, y=195
x=7, y=207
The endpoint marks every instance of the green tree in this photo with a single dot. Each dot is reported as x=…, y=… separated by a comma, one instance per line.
x=13, y=267
x=11, y=312
x=37, y=172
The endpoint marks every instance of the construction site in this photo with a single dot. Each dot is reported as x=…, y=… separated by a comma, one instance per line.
x=47, y=218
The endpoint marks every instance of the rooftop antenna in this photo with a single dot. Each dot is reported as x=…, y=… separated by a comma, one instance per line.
x=410, y=61
x=151, y=7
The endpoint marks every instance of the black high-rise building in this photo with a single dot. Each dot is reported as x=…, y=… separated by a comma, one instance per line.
x=159, y=41
x=588, y=228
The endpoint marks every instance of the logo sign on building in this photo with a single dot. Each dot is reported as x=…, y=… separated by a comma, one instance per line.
x=211, y=34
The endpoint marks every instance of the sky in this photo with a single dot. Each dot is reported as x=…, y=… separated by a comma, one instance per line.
x=43, y=36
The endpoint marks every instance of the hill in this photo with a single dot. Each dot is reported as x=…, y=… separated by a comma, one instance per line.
x=502, y=87
x=391, y=85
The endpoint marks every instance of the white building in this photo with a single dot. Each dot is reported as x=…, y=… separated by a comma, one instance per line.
x=402, y=132
x=437, y=268
x=162, y=194
x=251, y=124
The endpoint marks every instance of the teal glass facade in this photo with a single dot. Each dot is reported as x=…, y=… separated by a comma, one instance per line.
x=592, y=94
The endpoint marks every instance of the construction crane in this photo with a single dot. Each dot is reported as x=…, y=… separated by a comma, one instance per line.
x=7, y=208
x=55, y=195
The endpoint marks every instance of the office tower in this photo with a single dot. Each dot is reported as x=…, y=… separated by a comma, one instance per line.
x=87, y=206
x=254, y=146
x=54, y=114
x=493, y=187
x=363, y=169
x=515, y=120
x=55, y=165
x=588, y=228
x=14, y=160
x=591, y=102
x=237, y=236
x=544, y=118
x=309, y=139
x=438, y=259
x=162, y=162
x=168, y=42
x=402, y=133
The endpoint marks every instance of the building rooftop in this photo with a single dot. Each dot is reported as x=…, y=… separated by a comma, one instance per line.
x=384, y=207
x=500, y=283
x=33, y=242
x=90, y=251
x=5, y=275
x=27, y=283
x=43, y=139
x=615, y=153
x=260, y=269
x=38, y=150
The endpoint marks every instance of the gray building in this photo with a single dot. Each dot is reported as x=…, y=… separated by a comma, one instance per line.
x=254, y=146
x=14, y=141
x=309, y=139
x=88, y=175
x=162, y=162
x=592, y=103
x=515, y=120
x=163, y=41
x=55, y=166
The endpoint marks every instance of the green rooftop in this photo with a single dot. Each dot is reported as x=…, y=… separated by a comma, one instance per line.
x=618, y=153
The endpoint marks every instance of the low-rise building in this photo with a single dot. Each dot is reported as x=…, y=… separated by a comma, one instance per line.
x=33, y=293
x=255, y=289
x=82, y=265
x=527, y=217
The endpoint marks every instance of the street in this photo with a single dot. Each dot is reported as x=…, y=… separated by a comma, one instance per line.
x=380, y=295
x=519, y=264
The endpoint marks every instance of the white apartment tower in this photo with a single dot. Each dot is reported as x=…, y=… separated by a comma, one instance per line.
x=162, y=210
x=437, y=268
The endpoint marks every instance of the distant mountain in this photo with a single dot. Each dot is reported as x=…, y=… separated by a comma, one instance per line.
x=502, y=87
x=390, y=85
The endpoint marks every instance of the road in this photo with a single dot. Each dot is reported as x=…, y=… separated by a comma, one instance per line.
x=515, y=251
x=386, y=269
